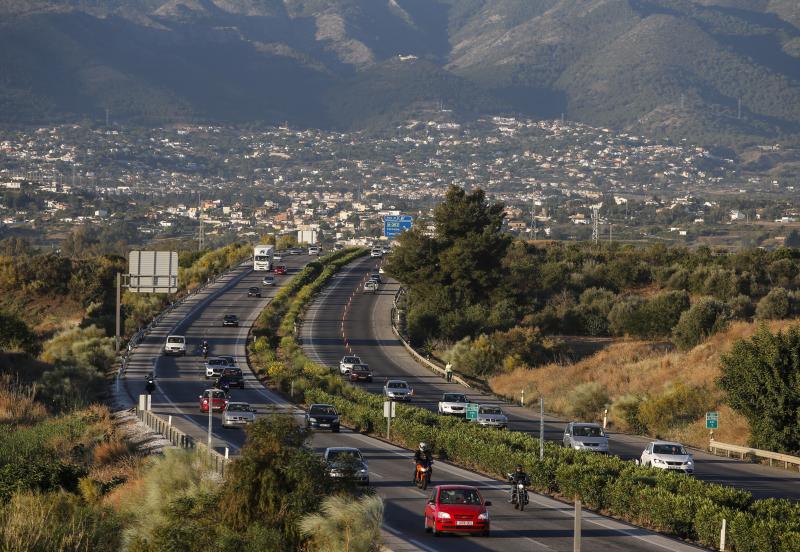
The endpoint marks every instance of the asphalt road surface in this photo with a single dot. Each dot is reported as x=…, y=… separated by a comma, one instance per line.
x=367, y=331
x=547, y=525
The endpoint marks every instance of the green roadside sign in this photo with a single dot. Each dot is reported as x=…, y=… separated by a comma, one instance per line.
x=472, y=411
x=712, y=420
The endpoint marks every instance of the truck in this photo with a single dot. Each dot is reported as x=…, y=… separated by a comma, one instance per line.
x=262, y=257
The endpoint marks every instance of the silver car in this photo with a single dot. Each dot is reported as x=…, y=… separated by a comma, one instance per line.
x=491, y=416
x=238, y=414
x=347, y=462
x=585, y=436
x=215, y=365
x=397, y=390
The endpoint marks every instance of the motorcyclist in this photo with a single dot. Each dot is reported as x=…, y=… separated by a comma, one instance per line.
x=424, y=456
x=518, y=476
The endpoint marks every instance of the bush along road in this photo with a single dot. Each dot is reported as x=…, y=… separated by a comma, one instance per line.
x=672, y=503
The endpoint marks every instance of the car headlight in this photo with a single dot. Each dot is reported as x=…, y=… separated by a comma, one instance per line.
x=312, y=420
x=362, y=471
x=483, y=516
x=443, y=515
x=658, y=461
x=690, y=462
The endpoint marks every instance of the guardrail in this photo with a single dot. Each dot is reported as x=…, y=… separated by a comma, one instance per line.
x=178, y=438
x=424, y=361
x=715, y=447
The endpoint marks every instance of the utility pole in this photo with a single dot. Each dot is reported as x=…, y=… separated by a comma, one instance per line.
x=107, y=116
x=739, y=116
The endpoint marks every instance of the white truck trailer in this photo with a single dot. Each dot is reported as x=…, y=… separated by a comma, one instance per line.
x=263, y=257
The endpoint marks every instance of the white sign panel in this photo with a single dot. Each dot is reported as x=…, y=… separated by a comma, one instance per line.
x=389, y=409
x=153, y=271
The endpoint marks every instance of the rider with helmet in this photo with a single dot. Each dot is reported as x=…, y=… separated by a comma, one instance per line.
x=422, y=455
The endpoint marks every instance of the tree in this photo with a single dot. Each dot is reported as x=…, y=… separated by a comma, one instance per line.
x=15, y=335
x=275, y=481
x=792, y=239
x=774, y=306
x=761, y=377
x=704, y=318
x=285, y=242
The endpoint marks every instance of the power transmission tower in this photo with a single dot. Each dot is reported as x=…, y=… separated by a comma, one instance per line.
x=596, y=223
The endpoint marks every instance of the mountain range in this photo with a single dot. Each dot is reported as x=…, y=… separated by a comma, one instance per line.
x=714, y=71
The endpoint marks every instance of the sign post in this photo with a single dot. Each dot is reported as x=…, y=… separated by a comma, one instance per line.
x=712, y=420
x=472, y=411
x=388, y=413
x=394, y=225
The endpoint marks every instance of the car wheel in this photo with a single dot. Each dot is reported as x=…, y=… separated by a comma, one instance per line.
x=427, y=528
x=436, y=533
x=485, y=533
x=335, y=430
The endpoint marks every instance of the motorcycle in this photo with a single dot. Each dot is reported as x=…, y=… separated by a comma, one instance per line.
x=225, y=386
x=150, y=386
x=205, y=350
x=519, y=494
x=422, y=478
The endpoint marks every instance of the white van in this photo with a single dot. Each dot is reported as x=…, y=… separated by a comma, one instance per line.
x=175, y=345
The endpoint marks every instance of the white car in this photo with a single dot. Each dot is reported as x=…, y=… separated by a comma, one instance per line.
x=314, y=250
x=175, y=345
x=666, y=455
x=376, y=253
x=370, y=286
x=453, y=404
x=398, y=390
x=215, y=365
x=347, y=362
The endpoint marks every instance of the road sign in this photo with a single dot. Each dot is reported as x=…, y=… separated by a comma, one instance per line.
x=389, y=409
x=394, y=225
x=153, y=271
x=472, y=411
x=712, y=420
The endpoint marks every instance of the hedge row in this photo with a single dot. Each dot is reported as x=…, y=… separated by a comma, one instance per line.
x=668, y=502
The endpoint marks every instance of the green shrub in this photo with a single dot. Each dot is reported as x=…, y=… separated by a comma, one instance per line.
x=704, y=318
x=587, y=400
x=676, y=406
x=625, y=411
x=648, y=318
x=774, y=306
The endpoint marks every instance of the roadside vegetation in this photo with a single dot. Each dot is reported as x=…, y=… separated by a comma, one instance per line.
x=673, y=503
x=502, y=311
x=69, y=479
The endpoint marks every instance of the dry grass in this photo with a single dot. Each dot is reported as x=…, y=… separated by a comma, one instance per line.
x=642, y=368
x=17, y=404
x=110, y=452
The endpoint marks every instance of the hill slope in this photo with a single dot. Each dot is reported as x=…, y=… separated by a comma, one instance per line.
x=677, y=67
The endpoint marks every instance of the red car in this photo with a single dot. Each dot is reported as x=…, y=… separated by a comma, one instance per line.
x=280, y=269
x=218, y=400
x=457, y=509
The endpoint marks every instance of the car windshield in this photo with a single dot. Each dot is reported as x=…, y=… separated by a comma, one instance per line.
x=253, y=289
x=397, y=385
x=175, y=340
x=218, y=362
x=675, y=450
x=262, y=258
x=343, y=455
x=322, y=410
x=230, y=316
x=587, y=431
x=454, y=397
x=360, y=367
x=233, y=407
x=490, y=410
x=459, y=496
x=216, y=394
x=351, y=360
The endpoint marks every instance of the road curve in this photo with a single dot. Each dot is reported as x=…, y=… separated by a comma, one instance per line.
x=546, y=525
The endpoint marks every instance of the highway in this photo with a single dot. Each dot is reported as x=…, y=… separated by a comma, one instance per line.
x=545, y=526
x=368, y=332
